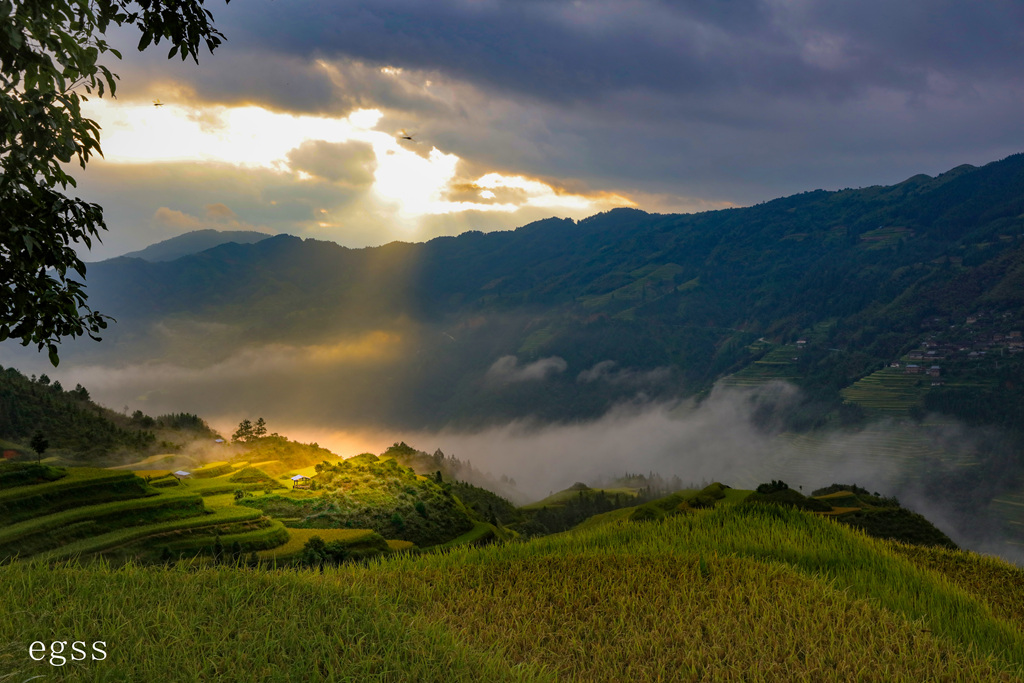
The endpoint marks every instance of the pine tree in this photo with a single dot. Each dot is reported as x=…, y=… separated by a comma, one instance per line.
x=261, y=428
x=39, y=444
x=245, y=431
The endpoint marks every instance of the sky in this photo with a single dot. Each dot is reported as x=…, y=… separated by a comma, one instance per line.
x=524, y=109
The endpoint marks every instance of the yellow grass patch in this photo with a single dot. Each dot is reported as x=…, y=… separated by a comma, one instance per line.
x=838, y=511
x=622, y=618
x=398, y=544
x=297, y=540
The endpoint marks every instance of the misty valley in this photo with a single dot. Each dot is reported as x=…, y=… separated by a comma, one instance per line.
x=753, y=444
x=388, y=341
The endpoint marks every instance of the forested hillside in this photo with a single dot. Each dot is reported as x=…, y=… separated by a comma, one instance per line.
x=621, y=303
x=75, y=427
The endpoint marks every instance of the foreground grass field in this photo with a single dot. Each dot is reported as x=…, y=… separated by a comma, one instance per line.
x=728, y=594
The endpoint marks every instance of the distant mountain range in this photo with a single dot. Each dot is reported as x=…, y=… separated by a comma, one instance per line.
x=195, y=242
x=562, y=319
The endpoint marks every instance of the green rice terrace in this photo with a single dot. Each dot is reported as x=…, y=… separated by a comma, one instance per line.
x=777, y=363
x=728, y=592
x=264, y=509
x=363, y=569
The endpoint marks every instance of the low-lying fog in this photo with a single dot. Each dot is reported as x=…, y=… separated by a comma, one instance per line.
x=928, y=468
x=944, y=471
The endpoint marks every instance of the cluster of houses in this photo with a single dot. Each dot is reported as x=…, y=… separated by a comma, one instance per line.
x=924, y=361
x=933, y=371
x=931, y=350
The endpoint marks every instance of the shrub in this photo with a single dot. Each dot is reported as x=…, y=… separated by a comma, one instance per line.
x=774, y=486
x=646, y=513
x=701, y=500
x=398, y=521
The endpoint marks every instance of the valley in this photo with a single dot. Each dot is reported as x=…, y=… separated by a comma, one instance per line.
x=676, y=368
x=698, y=584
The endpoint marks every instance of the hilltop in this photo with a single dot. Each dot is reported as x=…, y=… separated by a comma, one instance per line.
x=194, y=242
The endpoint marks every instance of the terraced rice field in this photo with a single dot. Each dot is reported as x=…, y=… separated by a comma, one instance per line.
x=46, y=532
x=267, y=534
x=778, y=364
x=889, y=392
x=81, y=486
x=121, y=537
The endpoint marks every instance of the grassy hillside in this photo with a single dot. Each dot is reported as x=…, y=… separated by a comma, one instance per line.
x=734, y=593
x=370, y=493
x=222, y=510
x=78, y=430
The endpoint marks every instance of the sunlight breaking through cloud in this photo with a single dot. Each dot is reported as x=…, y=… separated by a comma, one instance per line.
x=403, y=178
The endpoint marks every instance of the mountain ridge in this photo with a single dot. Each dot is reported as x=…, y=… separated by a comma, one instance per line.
x=687, y=293
x=193, y=242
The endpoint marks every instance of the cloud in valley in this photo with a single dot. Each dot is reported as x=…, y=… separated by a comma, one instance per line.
x=507, y=370
x=607, y=371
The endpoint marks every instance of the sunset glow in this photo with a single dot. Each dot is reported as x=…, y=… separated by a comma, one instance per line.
x=407, y=182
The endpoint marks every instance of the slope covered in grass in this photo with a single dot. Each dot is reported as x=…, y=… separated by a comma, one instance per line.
x=226, y=625
x=734, y=593
x=81, y=486
x=49, y=531
x=220, y=519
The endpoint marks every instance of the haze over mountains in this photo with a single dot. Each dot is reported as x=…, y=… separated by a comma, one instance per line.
x=561, y=350
x=562, y=320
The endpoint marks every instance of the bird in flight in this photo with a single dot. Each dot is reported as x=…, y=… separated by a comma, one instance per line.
x=157, y=103
x=403, y=135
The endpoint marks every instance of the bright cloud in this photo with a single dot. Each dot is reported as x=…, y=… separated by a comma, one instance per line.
x=397, y=180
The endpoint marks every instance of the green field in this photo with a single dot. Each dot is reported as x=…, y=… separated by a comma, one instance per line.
x=297, y=538
x=81, y=486
x=730, y=594
x=46, y=532
x=122, y=517
x=779, y=363
x=154, y=532
x=116, y=514
x=888, y=392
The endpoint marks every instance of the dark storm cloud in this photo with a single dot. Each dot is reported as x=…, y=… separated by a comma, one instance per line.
x=562, y=50
x=679, y=105
x=723, y=102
